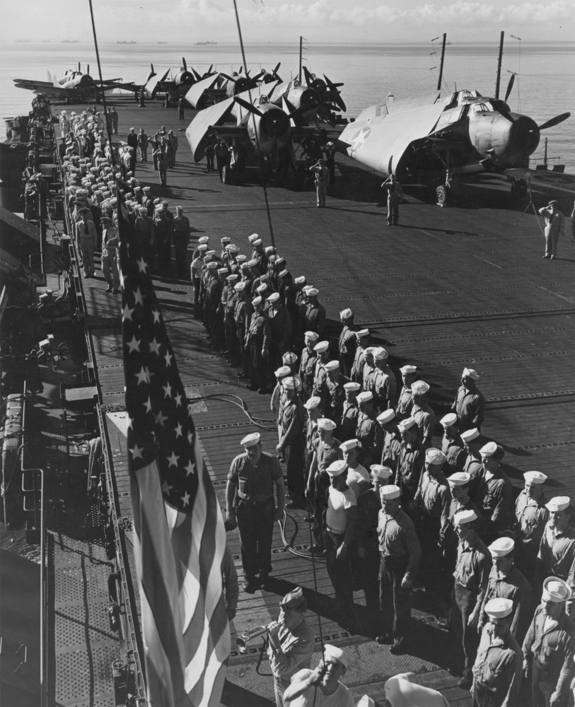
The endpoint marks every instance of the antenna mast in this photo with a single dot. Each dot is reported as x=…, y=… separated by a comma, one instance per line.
x=441, y=64
x=498, y=83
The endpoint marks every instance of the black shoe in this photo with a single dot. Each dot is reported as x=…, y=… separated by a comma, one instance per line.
x=384, y=640
x=316, y=549
x=109, y=288
x=262, y=391
x=465, y=682
x=265, y=580
x=251, y=585
x=397, y=649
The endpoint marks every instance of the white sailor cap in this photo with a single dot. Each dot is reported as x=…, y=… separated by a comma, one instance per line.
x=251, y=440
x=232, y=248
x=435, y=456
x=224, y=240
x=331, y=366
x=253, y=237
x=240, y=286
x=464, y=517
x=212, y=265
x=352, y=387
x=460, y=478
x=470, y=435
x=284, y=273
x=290, y=383
x=406, y=424
x=501, y=547
x=346, y=314
x=222, y=271
x=241, y=258
x=289, y=357
x=470, y=373
x=334, y=652
x=556, y=590
x=201, y=239
x=312, y=292
x=558, y=503
x=282, y=372
x=211, y=252
x=301, y=280
x=270, y=250
x=312, y=403
x=380, y=354
x=492, y=449
x=362, y=333
x=365, y=397
x=146, y=189
x=324, y=423
x=232, y=278
x=420, y=388
x=388, y=493
x=337, y=468
x=312, y=336
x=348, y=444
x=386, y=416
x=534, y=477
x=380, y=471
x=257, y=300
x=274, y=297
x=448, y=420
x=262, y=288
x=498, y=608
x=321, y=347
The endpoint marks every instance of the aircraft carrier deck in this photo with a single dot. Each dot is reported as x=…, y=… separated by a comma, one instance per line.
x=447, y=288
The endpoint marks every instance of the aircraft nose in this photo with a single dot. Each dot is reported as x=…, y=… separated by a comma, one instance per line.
x=275, y=123
x=309, y=97
x=525, y=134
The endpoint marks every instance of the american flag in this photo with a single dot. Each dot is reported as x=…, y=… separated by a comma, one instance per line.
x=179, y=533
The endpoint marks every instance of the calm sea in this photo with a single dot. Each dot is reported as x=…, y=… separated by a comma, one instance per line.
x=545, y=85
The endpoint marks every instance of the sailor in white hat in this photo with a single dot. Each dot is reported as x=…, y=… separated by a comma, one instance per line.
x=258, y=345
x=557, y=549
x=368, y=431
x=506, y=581
x=326, y=452
x=469, y=403
x=280, y=328
x=499, y=662
x=452, y=444
x=291, y=445
x=400, y=558
x=308, y=361
x=333, y=391
x=322, y=686
x=362, y=337
x=391, y=438
x=384, y=381
x=321, y=348
x=358, y=478
x=548, y=646
x=470, y=583
x=405, y=399
x=350, y=411
x=472, y=443
x=422, y=413
x=531, y=516
x=347, y=343
x=250, y=506
x=314, y=315
x=494, y=492
x=411, y=459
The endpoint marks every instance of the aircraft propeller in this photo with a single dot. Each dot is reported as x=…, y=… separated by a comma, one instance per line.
x=509, y=87
x=554, y=121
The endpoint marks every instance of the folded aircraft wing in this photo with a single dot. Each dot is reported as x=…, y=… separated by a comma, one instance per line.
x=379, y=139
x=198, y=130
x=197, y=93
x=152, y=84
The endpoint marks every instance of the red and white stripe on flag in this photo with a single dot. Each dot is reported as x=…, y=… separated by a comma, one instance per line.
x=179, y=533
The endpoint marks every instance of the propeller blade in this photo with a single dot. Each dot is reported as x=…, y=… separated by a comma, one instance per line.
x=338, y=100
x=79, y=67
x=185, y=66
x=555, y=121
x=88, y=69
x=274, y=72
x=308, y=76
x=229, y=78
x=509, y=87
x=248, y=106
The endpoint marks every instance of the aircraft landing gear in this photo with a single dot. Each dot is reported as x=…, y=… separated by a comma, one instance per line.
x=443, y=194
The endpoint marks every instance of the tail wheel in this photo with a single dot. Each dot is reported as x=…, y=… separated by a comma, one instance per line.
x=443, y=195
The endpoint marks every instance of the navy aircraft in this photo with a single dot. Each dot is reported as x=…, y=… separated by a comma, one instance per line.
x=178, y=84
x=436, y=138
x=73, y=86
x=219, y=86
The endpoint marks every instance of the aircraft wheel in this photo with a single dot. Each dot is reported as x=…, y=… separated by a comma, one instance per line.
x=442, y=194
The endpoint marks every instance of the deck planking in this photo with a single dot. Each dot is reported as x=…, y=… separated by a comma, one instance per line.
x=445, y=289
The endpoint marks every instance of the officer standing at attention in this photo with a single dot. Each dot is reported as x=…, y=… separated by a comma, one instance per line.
x=250, y=506
x=181, y=237
x=499, y=664
x=531, y=516
x=506, y=581
x=494, y=490
x=549, y=645
x=347, y=424
x=110, y=244
x=394, y=197
x=400, y=557
x=181, y=106
x=554, y=227
x=308, y=362
x=422, y=413
x=391, y=439
x=469, y=403
x=258, y=344
x=347, y=342
x=368, y=432
x=452, y=444
x=405, y=401
x=410, y=462
x=143, y=145
x=321, y=178
x=470, y=583
x=292, y=442
x=556, y=556
x=290, y=642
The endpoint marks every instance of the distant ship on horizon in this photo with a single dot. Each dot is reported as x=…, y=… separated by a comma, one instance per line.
x=20, y=41
x=200, y=43
x=161, y=42
x=124, y=42
x=70, y=41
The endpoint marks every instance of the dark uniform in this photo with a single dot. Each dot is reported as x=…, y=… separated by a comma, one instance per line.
x=307, y=366
x=255, y=509
x=425, y=419
x=531, y=516
x=391, y=449
x=494, y=498
x=455, y=455
x=181, y=238
x=557, y=555
x=347, y=423
x=370, y=436
x=497, y=672
x=400, y=557
x=346, y=346
x=469, y=406
x=513, y=586
x=368, y=508
x=258, y=340
x=243, y=311
x=404, y=403
x=292, y=445
x=314, y=318
x=409, y=468
x=281, y=334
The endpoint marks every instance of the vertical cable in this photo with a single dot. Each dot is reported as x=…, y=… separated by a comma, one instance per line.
x=255, y=131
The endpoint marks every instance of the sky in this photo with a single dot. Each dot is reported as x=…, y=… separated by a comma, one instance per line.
x=284, y=21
